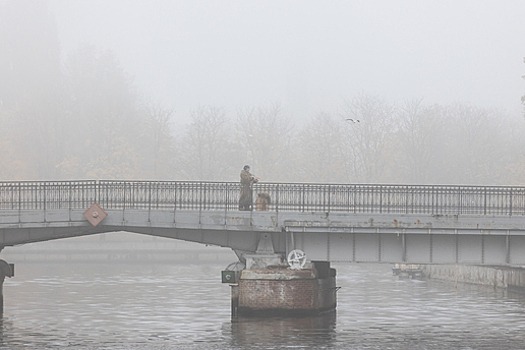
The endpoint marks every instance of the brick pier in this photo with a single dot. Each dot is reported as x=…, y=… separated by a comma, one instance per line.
x=279, y=290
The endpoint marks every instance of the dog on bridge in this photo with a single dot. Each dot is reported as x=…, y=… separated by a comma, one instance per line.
x=262, y=202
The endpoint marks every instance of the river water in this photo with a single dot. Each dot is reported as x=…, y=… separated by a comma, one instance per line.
x=183, y=305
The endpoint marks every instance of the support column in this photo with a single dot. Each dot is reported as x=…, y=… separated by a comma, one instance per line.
x=235, y=299
x=272, y=285
x=280, y=290
x=6, y=270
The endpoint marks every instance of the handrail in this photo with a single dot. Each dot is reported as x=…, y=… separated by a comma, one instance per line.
x=298, y=197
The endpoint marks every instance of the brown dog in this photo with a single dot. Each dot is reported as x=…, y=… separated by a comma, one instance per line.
x=262, y=202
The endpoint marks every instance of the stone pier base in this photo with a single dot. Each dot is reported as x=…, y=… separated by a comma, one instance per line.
x=497, y=276
x=280, y=290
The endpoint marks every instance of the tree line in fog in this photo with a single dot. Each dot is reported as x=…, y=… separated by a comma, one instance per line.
x=81, y=117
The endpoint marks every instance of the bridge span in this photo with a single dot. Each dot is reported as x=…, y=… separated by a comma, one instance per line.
x=425, y=224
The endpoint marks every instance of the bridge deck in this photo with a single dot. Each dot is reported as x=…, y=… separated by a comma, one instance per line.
x=361, y=223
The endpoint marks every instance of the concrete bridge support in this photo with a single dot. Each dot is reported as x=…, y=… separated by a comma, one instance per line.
x=6, y=270
x=279, y=290
x=269, y=285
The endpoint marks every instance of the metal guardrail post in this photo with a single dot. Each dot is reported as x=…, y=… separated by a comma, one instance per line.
x=149, y=202
x=510, y=202
x=303, y=198
x=277, y=198
x=45, y=201
x=380, y=199
x=123, y=199
x=69, y=200
x=174, y=202
x=201, y=199
x=485, y=201
x=329, y=198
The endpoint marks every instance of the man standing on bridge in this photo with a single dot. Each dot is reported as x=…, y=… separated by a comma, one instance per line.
x=246, y=197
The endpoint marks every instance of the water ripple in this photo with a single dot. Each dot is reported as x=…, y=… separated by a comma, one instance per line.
x=164, y=306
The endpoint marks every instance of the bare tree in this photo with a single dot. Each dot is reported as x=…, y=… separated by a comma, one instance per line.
x=476, y=147
x=320, y=150
x=514, y=166
x=371, y=125
x=158, y=142
x=523, y=96
x=265, y=136
x=418, y=141
x=14, y=166
x=103, y=123
x=207, y=148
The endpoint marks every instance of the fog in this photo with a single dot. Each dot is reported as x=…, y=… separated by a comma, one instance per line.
x=193, y=90
x=307, y=55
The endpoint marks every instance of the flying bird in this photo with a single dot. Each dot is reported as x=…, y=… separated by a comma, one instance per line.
x=353, y=120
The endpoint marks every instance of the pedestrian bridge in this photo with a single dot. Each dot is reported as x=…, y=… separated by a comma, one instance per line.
x=437, y=224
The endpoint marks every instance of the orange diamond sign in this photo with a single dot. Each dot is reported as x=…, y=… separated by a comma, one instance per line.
x=95, y=214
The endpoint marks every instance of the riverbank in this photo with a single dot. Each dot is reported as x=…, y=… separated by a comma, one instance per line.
x=510, y=278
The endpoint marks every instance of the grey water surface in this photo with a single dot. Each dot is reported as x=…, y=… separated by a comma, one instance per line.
x=183, y=305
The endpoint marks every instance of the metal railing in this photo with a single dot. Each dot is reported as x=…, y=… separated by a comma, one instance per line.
x=298, y=197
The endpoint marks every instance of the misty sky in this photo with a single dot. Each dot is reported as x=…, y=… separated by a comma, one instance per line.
x=307, y=56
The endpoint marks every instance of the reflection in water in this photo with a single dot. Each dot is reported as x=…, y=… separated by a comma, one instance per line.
x=295, y=332
x=2, y=322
